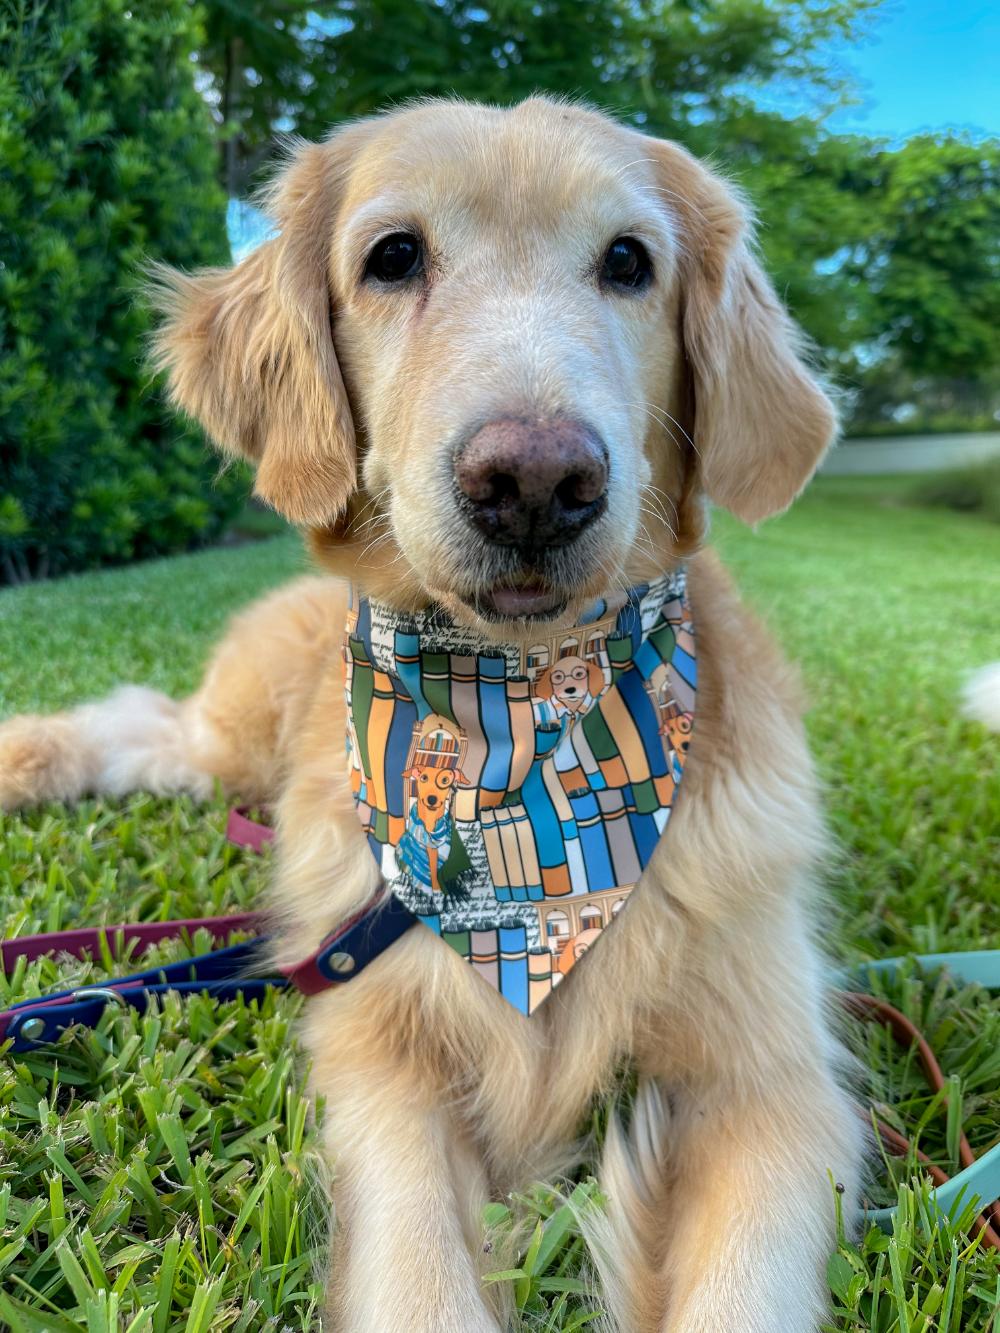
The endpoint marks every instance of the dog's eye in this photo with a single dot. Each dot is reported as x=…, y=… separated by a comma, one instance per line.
x=395, y=258
x=626, y=264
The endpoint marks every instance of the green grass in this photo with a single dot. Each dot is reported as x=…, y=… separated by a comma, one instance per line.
x=161, y=1174
x=970, y=490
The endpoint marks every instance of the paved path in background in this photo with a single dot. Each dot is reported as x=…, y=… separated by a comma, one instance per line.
x=910, y=453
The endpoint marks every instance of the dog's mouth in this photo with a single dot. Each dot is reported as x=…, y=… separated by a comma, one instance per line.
x=528, y=598
x=503, y=585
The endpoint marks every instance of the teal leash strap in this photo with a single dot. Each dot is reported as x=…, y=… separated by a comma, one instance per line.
x=981, y=1180
x=980, y=967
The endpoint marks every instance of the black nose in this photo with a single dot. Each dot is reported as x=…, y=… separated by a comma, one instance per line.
x=532, y=484
x=432, y=801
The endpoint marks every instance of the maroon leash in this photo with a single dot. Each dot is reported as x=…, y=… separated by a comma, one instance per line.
x=223, y=973
x=87, y=941
x=243, y=831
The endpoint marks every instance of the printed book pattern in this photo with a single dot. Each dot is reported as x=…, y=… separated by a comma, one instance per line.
x=513, y=797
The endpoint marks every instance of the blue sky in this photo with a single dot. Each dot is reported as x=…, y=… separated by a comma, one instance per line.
x=927, y=64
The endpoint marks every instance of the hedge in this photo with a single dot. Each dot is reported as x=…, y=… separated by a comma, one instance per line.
x=107, y=159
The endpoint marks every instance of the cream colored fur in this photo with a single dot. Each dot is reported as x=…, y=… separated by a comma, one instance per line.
x=438, y=1094
x=981, y=696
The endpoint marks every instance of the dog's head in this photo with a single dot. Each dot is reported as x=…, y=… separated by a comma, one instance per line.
x=677, y=728
x=434, y=788
x=495, y=358
x=569, y=681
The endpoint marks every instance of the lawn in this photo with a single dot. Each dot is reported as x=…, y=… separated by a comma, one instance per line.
x=160, y=1173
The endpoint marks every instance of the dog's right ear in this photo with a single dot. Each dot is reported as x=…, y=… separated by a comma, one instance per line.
x=595, y=679
x=249, y=351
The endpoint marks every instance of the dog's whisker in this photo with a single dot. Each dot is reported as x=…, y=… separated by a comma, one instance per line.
x=660, y=517
x=673, y=420
x=382, y=532
x=659, y=498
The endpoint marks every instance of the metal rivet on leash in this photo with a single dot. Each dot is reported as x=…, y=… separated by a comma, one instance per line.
x=33, y=1028
x=341, y=962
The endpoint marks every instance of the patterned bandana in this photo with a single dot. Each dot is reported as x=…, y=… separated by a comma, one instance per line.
x=512, y=797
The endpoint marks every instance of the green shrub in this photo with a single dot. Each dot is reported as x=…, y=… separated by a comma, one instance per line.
x=108, y=160
x=954, y=423
x=974, y=490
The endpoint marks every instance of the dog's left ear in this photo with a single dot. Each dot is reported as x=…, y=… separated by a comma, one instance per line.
x=542, y=688
x=761, y=419
x=249, y=350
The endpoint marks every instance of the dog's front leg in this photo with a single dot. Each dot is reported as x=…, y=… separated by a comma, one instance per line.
x=409, y=1186
x=743, y=1219
x=749, y=1223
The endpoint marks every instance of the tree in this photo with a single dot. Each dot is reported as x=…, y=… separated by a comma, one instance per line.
x=912, y=294
x=108, y=159
x=931, y=259
x=687, y=70
x=680, y=69
x=257, y=59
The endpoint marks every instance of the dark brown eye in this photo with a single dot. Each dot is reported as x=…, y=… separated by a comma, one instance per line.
x=396, y=258
x=626, y=264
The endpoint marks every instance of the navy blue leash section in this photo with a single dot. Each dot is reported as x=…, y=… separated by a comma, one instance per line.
x=222, y=973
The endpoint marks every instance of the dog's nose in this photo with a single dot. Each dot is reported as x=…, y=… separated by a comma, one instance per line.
x=533, y=484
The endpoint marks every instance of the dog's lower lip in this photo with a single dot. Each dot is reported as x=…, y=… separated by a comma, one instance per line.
x=531, y=599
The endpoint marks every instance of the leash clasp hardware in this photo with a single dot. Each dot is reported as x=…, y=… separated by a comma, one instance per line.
x=100, y=993
x=33, y=1028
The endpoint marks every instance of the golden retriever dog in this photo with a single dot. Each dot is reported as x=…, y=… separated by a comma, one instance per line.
x=460, y=293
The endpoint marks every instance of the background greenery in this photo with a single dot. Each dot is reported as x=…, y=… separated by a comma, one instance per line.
x=969, y=490
x=124, y=126
x=159, y=1174
x=107, y=158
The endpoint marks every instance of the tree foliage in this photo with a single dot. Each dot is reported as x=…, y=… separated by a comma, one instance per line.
x=931, y=253
x=674, y=67
x=260, y=62
x=686, y=70
x=108, y=159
